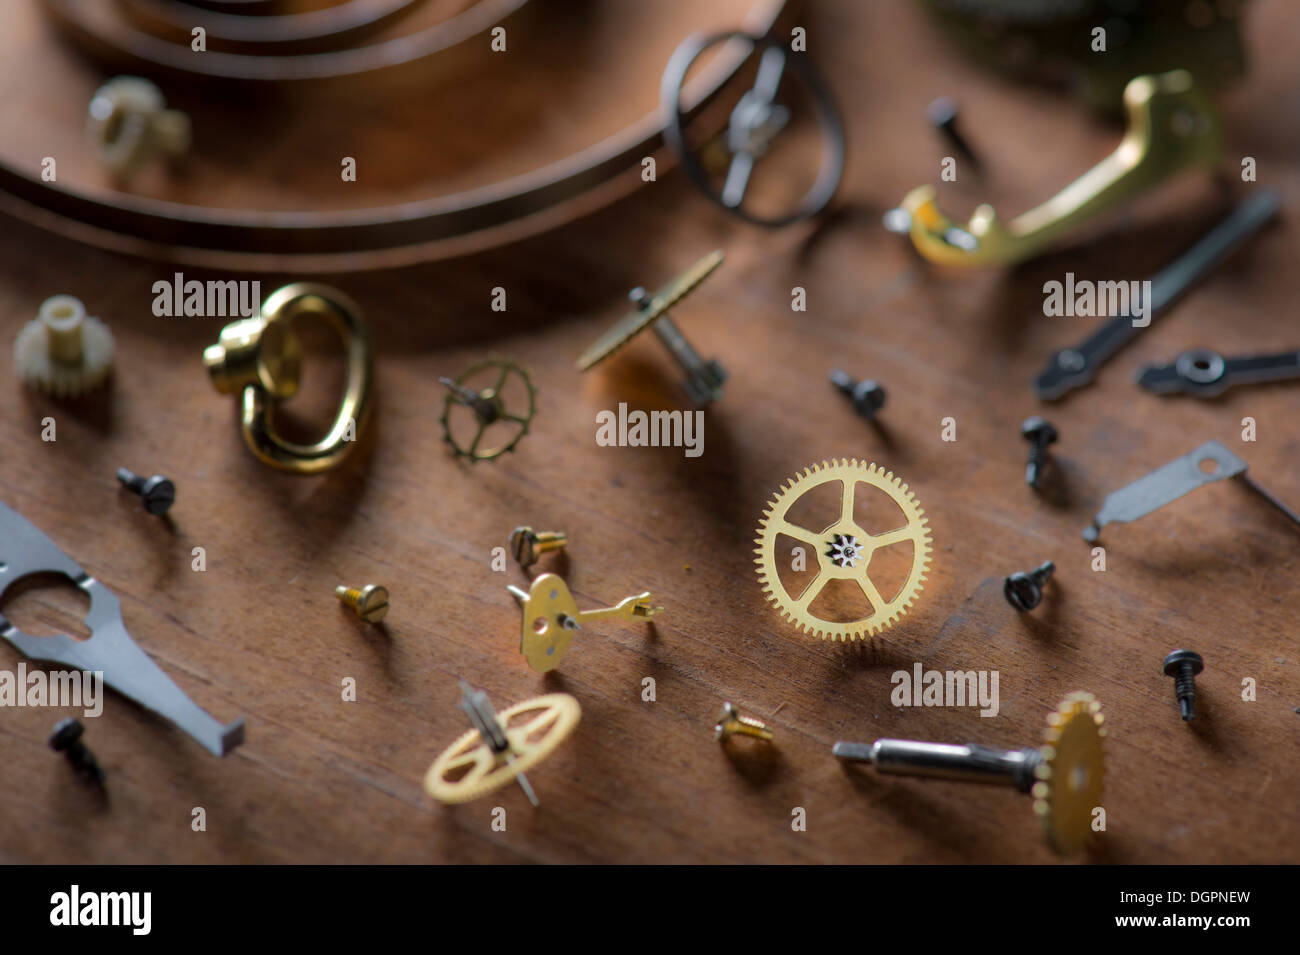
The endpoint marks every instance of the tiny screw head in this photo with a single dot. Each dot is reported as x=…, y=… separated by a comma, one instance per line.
x=941, y=112
x=868, y=396
x=373, y=605
x=522, y=541
x=528, y=544
x=1021, y=592
x=1173, y=662
x=1025, y=591
x=66, y=732
x=1039, y=430
x=370, y=603
x=730, y=723
x=158, y=493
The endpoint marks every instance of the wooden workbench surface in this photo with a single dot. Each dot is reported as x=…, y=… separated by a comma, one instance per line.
x=259, y=633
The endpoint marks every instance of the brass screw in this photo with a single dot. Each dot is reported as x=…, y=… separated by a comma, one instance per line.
x=370, y=603
x=731, y=722
x=528, y=544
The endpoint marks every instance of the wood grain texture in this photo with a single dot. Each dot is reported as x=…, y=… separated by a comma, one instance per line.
x=259, y=634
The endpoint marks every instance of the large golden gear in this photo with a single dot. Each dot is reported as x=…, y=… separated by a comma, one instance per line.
x=468, y=769
x=844, y=550
x=1072, y=772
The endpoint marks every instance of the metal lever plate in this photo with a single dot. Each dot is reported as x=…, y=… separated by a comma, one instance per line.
x=1205, y=373
x=25, y=550
x=1071, y=368
x=551, y=617
x=1172, y=481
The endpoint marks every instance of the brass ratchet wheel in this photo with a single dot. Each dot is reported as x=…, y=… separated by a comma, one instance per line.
x=480, y=392
x=468, y=768
x=1071, y=773
x=844, y=549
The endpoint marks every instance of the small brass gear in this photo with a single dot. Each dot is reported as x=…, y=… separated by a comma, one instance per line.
x=487, y=407
x=1070, y=776
x=468, y=769
x=843, y=550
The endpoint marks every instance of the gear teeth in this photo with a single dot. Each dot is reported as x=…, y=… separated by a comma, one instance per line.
x=815, y=475
x=1065, y=814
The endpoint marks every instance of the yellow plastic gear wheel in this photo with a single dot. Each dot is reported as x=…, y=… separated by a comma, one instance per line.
x=844, y=549
x=468, y=769
x=1072, y=772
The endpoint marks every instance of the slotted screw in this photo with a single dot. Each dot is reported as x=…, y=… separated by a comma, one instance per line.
x=731, y=723
x=370, y=603
x=867, y=395
x=1025, y=591
x=528, y=544
x=157, y=492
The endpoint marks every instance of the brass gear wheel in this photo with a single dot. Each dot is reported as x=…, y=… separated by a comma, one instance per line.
x=1071, y=773
x=468, y=769
x=844, y=550
x=487, y=408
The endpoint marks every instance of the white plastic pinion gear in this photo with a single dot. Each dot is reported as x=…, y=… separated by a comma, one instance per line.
x=128, y=123
x=829, y=546
x=63, y=351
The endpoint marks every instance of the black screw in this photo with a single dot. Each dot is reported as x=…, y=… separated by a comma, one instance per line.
x=66, y=739
x=157, y=491
x=1039, y=432
x=1183, y=665
x=867, y=396
x=1025, y=591
x=942, y=114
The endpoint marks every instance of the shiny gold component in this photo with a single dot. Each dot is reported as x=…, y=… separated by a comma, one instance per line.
x=659, y=303
x=128, y=124
x=470, y=767
x=63, y=351
x=260, y=359
x=843, y=550
x=1065, y=776
x=551, y=616
x=529, y=544
x=370, y=603
x=1070, y=777
x=731, y=723
x=1172, y=126
x=488, y=407
x=704, y=379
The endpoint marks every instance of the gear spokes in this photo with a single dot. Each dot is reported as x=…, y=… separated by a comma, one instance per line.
x=488, y=408
x=844, y=549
